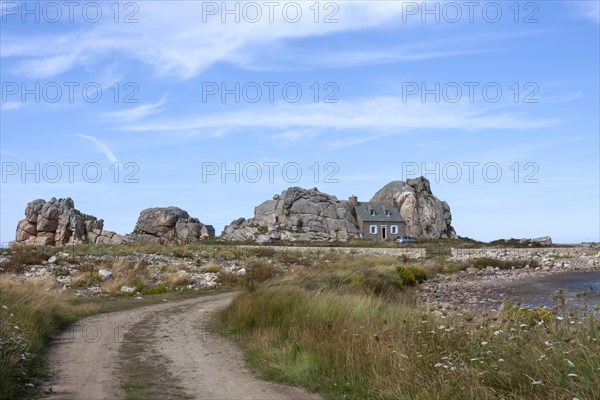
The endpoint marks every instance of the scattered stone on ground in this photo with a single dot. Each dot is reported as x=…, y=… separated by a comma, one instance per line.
x=475, y=288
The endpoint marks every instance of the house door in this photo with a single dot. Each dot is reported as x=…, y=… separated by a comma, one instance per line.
x=384, y=232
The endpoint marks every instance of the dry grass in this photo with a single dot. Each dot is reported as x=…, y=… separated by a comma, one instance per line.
x=23, y=255
x=179, y=278
x=30, y=314
x=172, y=267
x=361, y=347
x=212, y=266
x=126, y=273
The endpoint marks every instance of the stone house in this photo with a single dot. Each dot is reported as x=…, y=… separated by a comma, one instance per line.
x=378, y=221
x=207, y=231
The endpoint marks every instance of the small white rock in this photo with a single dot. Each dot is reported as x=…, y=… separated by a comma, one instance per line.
x=105, y=274
x=127, y=289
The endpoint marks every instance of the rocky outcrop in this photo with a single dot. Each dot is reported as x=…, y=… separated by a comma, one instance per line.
x=169, y=224
x=297, y=215
x=57, y=223
x=426, y=217
x=310, y=215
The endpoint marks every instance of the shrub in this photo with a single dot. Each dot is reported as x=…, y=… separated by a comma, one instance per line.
x=158, y=289
x=405, y=276
x=257, y=271
x=419, y=273
x=227, y=279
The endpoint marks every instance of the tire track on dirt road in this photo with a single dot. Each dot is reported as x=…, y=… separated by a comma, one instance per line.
x=85, y=359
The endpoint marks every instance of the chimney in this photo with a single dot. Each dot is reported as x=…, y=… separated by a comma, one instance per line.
x=395, y=202
x=353, y=200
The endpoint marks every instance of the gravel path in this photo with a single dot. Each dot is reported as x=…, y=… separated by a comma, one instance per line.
x=84, y=360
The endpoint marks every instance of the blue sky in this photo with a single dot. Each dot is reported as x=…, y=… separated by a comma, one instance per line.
x=161, y=97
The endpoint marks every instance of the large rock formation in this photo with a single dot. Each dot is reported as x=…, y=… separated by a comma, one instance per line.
x=169, y=224
x=310, y=215
x=57, y=222
x=426, y=217
x=297, y=215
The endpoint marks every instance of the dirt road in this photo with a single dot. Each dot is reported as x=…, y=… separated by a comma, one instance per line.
x=170, y=346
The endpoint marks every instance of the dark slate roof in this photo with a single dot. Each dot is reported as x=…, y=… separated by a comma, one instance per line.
x=210, y=228
x=382, y=212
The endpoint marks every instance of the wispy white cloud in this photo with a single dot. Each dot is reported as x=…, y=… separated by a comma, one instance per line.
x=135, y=113
x=11, y=105
x=294, y=135
x=281, y=56
x=371, y=117
x=170, y=38
x=103, y=147
x=589, y=9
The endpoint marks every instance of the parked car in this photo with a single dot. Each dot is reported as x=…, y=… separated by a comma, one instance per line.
x=405, y=239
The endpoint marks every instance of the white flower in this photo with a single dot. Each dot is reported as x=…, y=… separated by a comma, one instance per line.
x=438, y=365
x=484, y=343
x=559, y=318
x=570, y=363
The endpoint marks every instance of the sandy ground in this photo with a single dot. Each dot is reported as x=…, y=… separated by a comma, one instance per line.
x=84, y=359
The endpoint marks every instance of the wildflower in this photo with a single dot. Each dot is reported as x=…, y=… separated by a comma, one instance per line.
x=559, y=318
x=498, y=332
x=484, y=343
x=438, y=365
x=4, y=306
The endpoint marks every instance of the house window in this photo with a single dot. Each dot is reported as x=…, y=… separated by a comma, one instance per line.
x=373, y=229
x=394, y=229
x=372, y=212
x=387, y=213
